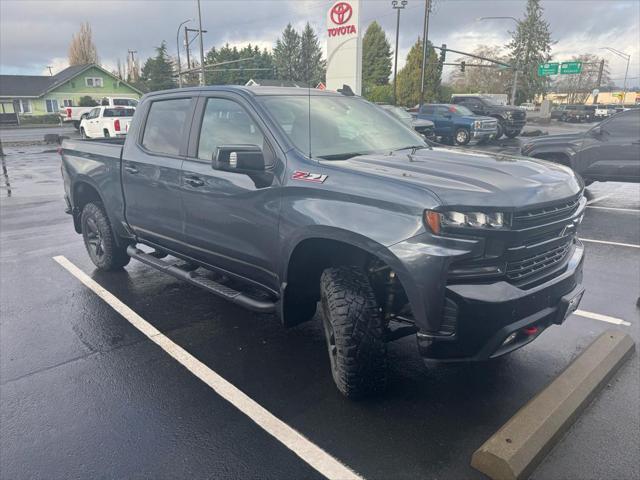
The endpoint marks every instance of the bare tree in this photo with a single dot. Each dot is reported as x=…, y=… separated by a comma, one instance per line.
x=487, y=79
x=82, y=50
x=578, y=87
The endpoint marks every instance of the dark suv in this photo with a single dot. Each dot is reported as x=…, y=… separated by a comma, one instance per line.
x=511, y=120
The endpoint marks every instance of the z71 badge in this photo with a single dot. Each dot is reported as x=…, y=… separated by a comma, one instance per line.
x=308, y=177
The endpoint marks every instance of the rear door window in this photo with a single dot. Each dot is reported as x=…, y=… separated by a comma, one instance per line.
x=166, y=124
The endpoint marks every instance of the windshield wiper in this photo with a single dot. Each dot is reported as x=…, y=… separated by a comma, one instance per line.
x=414, y=148
x=341, y=156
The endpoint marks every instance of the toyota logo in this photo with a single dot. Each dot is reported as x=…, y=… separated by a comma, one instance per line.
x=341, y=13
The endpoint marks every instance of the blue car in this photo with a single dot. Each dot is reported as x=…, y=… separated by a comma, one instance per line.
x=457, y=124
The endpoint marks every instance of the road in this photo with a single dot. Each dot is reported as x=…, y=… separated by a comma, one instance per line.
x=34, y=134
x=84, y=394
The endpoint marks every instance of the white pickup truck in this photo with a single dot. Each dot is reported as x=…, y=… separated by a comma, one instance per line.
x=76, y=114
x=106, y=122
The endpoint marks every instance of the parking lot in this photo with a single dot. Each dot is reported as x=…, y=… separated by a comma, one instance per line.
x=86, y=394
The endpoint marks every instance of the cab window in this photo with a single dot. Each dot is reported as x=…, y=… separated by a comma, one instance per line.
x=164, y=129
x=226, y=123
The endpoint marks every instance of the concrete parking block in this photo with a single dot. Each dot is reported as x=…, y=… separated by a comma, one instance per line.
x=520, y=445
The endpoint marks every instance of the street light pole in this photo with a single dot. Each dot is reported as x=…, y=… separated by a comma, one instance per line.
x=626, y=72
x=201, y=47
x=514, y=87
x=397, y=6
x=178, y=50
x=425, y=37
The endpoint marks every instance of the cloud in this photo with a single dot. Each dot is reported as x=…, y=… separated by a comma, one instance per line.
x=36, y=33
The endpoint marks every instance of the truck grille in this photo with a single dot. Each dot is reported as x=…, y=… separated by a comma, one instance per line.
x=537, y=216
x=518, y=115
x=489, y=124
x=537, y=264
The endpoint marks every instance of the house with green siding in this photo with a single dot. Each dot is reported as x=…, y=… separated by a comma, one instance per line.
x=31, y=95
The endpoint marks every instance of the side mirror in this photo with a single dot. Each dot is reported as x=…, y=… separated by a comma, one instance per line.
x=238, y=158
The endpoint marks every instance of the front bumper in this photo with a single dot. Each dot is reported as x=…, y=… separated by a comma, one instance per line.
x=487, y=315
x=483, y=132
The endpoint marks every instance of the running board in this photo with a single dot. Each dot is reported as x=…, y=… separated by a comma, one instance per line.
x=201, y=281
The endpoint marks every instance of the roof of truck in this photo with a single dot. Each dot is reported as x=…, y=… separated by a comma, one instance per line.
x=257, y=91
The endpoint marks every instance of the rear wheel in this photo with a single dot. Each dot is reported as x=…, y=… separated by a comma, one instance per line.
x=100, y=240
x=354, y=331
x=106, y=133
x=462, y=136
x=83, y=133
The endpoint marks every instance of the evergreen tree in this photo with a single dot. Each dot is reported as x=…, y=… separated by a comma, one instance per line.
x=157, y=72
x=312, y=67
x=530, y=46
x=376, y=57
x=286, y=55
x=409, y=77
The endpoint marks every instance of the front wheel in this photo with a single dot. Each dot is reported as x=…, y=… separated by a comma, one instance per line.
x=513, y=133
x=99, y=239
x=500, y=131
x=354, y=331
x=462, y=136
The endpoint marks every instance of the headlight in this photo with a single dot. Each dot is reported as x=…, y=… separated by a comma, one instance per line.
x=477, y=124
x=437, y=220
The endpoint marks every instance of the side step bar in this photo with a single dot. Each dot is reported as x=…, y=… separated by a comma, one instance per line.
x=201, y=281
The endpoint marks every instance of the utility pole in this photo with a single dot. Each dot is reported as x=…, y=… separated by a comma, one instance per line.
x=178, y=52
x=50, y=72
x=397, y=5
x=425, y=37
x=600, y=72
x=201, y=46
x=186, y=45
x=626, y=72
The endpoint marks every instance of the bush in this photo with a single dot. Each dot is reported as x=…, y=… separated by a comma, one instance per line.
x=87, y=101
x=379, y=93
x=49, y=119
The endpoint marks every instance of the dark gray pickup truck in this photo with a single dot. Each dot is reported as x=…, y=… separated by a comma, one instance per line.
x=278, y=199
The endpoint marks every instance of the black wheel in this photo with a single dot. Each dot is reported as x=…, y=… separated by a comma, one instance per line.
x=106, y=133
x=354, y=330
x=462, y=136
x=99, y=239
x=500, y=131
x=513, y=133
x=83, y=133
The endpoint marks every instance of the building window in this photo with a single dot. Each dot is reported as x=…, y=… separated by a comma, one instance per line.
x=22, y=105
x=67, y=103
x=95, y=82
x=52, y=105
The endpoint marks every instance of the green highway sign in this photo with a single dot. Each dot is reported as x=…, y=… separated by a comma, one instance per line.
x=546, y=69
x=570, y=67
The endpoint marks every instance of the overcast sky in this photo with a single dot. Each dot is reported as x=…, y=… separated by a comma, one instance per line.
x=36, y=33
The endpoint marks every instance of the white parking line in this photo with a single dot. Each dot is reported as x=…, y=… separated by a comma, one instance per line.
x=602, y=318
x=618, y=244
x=597, y=199
x=635, y=210
x=313, y=455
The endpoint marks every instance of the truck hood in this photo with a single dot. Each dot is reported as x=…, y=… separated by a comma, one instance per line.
x=473, y=118
x=472, y=179
x=549, y=140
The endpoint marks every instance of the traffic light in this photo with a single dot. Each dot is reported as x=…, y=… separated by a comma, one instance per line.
x=443, y=53
x=463, y=64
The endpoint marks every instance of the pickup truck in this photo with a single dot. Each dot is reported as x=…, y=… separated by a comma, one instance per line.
x=283, y=199
x=456, y=124
x=511, y=120
x=609, y=151
x=76, y=114
x=426, y=128
x=106, y=122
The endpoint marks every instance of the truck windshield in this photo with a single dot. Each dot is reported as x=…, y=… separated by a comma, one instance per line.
x=118, y=112
x=460, y=110
x=341, y=127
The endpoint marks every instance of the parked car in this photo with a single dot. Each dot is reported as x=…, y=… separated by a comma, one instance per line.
x=529, y=107
x=456, y=124
x=306, y=197
x=76, y=114
x=511, y=120
x=557, y=111
x=106, y=122
x=578, y=113
x=426, y=128
x=610, y=151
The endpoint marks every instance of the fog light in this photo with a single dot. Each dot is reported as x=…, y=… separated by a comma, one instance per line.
x=510, y=338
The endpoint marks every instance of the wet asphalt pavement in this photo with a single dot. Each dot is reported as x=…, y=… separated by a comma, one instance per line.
x=86, y=395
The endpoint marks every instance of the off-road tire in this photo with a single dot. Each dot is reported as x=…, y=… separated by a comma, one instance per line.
x=500, y=132
x=513, y=133
x=99, y=239
x=462, y=136
x=355, y=332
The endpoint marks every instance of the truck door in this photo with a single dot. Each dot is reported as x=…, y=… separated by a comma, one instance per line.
x=612, y=150
x=91, y=123
x=231, y=218
x=151, y=170
x=443, y=119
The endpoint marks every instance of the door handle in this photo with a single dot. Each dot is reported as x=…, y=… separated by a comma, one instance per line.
x=194, y=181
x=130, y=169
